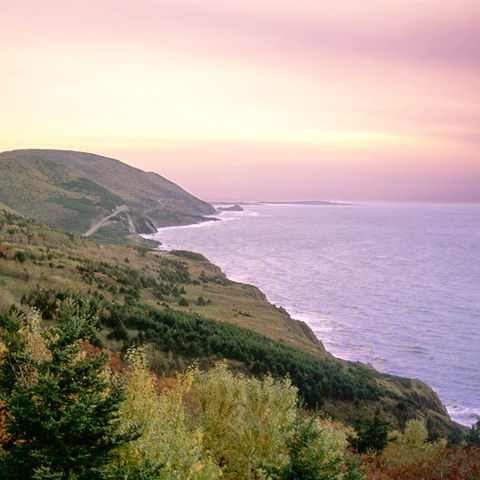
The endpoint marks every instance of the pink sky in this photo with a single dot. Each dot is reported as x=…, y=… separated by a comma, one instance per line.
x=243, y=99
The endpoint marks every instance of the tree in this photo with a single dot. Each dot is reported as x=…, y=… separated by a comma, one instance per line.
x=473, y=436
x=317, y=450
x=372, y=434
x=64, y=409
x=411, y=446
x=201, y=301
x=245, y=420
x=20, y=256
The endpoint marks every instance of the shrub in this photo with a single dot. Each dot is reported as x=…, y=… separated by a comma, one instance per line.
x=20, y=256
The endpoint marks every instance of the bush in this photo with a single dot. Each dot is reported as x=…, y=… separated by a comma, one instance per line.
x=20, y=256
x=201, y=301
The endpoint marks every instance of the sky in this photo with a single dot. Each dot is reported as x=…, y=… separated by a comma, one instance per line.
x=370, y=100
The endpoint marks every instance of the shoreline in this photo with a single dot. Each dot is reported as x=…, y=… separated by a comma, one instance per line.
x=458, y=413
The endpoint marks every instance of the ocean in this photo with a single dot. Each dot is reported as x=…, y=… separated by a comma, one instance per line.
x=393, y=285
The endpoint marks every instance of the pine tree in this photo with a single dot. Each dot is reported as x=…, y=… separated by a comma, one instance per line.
x=473, y=436
x=64, y=408
x=373, y=434
x=317, y=450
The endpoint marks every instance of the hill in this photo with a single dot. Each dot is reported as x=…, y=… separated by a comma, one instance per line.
x=94, y=195
x=184, y=309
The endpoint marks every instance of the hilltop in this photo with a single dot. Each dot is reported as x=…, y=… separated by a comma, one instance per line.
x=94, y=195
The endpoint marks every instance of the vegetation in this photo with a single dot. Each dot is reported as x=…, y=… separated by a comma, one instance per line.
x=123, y=363
x=473, y=436
x=53, y=193
x=372, y=434
x=71, y=418
x=137, y=302
x=63, y=411
x=73, y=190
x=409, y=455
x=72, y=411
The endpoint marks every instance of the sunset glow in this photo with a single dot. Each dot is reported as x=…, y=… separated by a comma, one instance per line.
x=242, y=99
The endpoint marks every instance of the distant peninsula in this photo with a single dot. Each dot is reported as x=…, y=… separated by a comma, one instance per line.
x=284, y=202
x=305, y=202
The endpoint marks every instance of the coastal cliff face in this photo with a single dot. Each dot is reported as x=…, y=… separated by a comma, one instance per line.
x=94, y=195
x=186, y=309
x=247, y=306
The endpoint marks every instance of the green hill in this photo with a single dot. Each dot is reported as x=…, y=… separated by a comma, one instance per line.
x=82, y=192
x=184, y=309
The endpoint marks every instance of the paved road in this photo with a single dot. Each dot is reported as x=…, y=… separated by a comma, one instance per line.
x=104, y=220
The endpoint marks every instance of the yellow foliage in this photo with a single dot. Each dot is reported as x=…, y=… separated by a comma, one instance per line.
x=4, y=423
x=3, y=350
x=167, y=442
x=246, y=421
x=411, y=446
x=32, y=332
x=333, y=439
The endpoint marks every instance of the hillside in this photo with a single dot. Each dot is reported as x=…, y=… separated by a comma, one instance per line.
x=184, y=309
x=94, y=195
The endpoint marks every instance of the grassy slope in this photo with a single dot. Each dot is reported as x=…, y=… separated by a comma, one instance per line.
x=71, y=190
x=53, y=193
x=135, y=186
x=60, y=262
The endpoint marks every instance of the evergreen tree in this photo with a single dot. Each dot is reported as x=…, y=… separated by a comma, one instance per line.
x=372, y=434
x=316, y=451
x=64, y=408
x=473, y=436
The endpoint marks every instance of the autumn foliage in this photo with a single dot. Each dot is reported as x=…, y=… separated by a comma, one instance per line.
x=69, y=409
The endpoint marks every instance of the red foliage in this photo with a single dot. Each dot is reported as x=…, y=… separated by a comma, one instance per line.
x=115, y=362
x=164, y=383
x=455, y=463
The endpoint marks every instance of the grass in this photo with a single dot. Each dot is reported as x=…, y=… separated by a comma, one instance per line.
x=52, y=193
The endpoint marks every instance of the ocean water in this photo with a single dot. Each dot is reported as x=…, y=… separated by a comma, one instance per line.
x=396, y=286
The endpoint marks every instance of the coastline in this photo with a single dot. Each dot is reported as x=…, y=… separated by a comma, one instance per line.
x=261, y=337
x=457, y=412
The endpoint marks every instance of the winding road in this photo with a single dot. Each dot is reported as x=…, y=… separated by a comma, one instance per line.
x=104, y=220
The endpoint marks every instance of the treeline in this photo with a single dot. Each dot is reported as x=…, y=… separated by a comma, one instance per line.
x=193, y=336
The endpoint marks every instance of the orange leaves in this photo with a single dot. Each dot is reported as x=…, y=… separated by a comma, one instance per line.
x=4, y=422
x=3, y=251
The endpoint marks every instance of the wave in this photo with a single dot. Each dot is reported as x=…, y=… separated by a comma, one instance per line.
x=464, y=415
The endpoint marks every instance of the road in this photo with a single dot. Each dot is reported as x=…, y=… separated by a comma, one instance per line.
x=104, y=220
